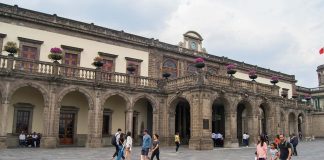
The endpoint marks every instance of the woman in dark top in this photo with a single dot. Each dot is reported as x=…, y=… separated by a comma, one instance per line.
x=120, y=154
x=156, y=150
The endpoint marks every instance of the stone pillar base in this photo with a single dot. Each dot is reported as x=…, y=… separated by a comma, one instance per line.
x=48, y=142
x=201, y=143
x=94, y=142
x=3, y=142
x=231, y=143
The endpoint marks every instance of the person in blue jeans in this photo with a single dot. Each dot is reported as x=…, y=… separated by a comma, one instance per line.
x=147, y=142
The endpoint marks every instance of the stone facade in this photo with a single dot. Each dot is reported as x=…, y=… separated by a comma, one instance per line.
x=182, y=104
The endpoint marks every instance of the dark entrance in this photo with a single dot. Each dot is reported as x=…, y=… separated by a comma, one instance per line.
x=218, y=121
x=244, y=112
x=66, y=128
x=182, y=121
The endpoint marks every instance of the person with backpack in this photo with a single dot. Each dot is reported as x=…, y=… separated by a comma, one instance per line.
x=115, y=141
x=121, y=147
x=294, y=142
x=285, y=148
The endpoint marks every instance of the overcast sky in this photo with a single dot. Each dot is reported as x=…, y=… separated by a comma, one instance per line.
x=283, y=35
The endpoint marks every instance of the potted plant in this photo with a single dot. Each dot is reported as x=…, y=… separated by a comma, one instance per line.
x=231, y=69
x=166, y=75
x=274, y=80
x=98, y=62
x=199, y=62
x=11, y=48
x=308, y=97
x=131, y=68
x=253, y=75
x=56, y=54
x=294, y=96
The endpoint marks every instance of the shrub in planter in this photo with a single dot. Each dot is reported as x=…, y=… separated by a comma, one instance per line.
x=199, y=62
x=98, y=62
x=11, y=48
x=56, y=54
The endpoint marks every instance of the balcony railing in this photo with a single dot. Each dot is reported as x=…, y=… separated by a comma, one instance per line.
x=48, y=69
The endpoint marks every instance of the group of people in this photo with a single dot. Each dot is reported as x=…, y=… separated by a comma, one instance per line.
x=280, y=149
x=123, y=144
x=217, y=139
x=30, y=139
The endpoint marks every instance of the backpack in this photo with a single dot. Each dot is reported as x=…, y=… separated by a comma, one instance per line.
x=291, y=147
x=113, y=139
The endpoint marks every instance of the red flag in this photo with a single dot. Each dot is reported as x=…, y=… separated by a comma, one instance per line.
x=321, y=51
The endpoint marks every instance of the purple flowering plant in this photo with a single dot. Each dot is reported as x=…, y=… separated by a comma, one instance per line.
x=274, y=78
x=230, y=66
x=199, y=60
x=56, y=50
x=252, y=72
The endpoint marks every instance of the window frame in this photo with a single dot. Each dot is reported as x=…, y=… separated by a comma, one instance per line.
x=135, y=61
x=2, y=36
x=22, y=107
x=111, y=57
x=30, y=43
x=72, y=50
x=175, y=61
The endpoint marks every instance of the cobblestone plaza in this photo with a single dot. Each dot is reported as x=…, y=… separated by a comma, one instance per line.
x=306, y=150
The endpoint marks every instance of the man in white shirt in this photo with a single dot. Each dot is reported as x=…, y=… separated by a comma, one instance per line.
x=22, y=139
x=246, y=139
x=213, y=136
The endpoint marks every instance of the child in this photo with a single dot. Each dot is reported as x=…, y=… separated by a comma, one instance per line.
x=273, y=151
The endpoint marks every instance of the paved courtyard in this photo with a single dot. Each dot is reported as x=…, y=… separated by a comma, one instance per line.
x=307, y=151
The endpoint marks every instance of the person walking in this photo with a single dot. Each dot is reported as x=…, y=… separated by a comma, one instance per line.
x=273, y=152
x=177, y=141
x=121, y=147
x=128, y=146
x=284, y=148
x=294, y=142
x=115, y=141
x=277, y=140
x=147, y=141
x=261, y=148
x=155, y=150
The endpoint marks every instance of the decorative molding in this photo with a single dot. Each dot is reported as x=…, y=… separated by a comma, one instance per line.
x=133, y=59
x=71, y=48
x=107, y=55
x=30, y=40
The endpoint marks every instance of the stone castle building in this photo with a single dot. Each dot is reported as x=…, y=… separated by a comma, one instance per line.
x=73, y=103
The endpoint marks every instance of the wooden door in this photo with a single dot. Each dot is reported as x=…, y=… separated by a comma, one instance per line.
x=66, y=128
x=29, y=53
x=71, y=60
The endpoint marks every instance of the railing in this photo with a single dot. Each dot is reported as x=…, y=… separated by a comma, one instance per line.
x=39, y=68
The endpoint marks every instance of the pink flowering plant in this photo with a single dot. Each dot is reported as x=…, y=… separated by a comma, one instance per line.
x=274, y=78
x=252, y=72
x=199, y=60
x=56, y=54
x=98, y=61
x=308, y=96
x=230, y=67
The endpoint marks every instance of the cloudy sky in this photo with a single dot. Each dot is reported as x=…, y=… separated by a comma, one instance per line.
x=283, y=35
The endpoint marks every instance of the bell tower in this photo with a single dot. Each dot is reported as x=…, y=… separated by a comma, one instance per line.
x=192, y=41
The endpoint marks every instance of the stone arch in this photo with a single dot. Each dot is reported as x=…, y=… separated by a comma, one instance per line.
x=36, y=86
x=223, y=99
x=84, y=91
x=292, y=124
x=301, y=120
x=121, y=94
x=244, y=117
x=175, y=99
x=149, y=98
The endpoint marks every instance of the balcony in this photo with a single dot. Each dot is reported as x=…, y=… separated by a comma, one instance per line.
x=39, y=70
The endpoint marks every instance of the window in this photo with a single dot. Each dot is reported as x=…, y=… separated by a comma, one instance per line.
x=71, y=58
x=109, y=61
x=170, y=66
x=136, y=63
x=23, y=117
x=106, y=122
x=2, y=36
x=29, y=50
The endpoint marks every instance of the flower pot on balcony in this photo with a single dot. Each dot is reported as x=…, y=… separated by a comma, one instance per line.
x=97, y=64
x=200, y=65
x=274, y=82
x=55, y=56
x=166, y=75
x=294, y=96
x=253, y=77
x=284, y=95
x=11, y=48
x=231, y=72
x=131, y=69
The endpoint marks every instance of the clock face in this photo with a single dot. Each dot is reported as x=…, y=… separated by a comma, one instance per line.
x=193, y=45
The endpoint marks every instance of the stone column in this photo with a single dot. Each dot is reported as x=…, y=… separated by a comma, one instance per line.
x=3, y=126
x=231, y=140
x=253, y=128
x=200, y=111
x=129, y=120
x=49, y=137
x=155, y=128
x=95, y=124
